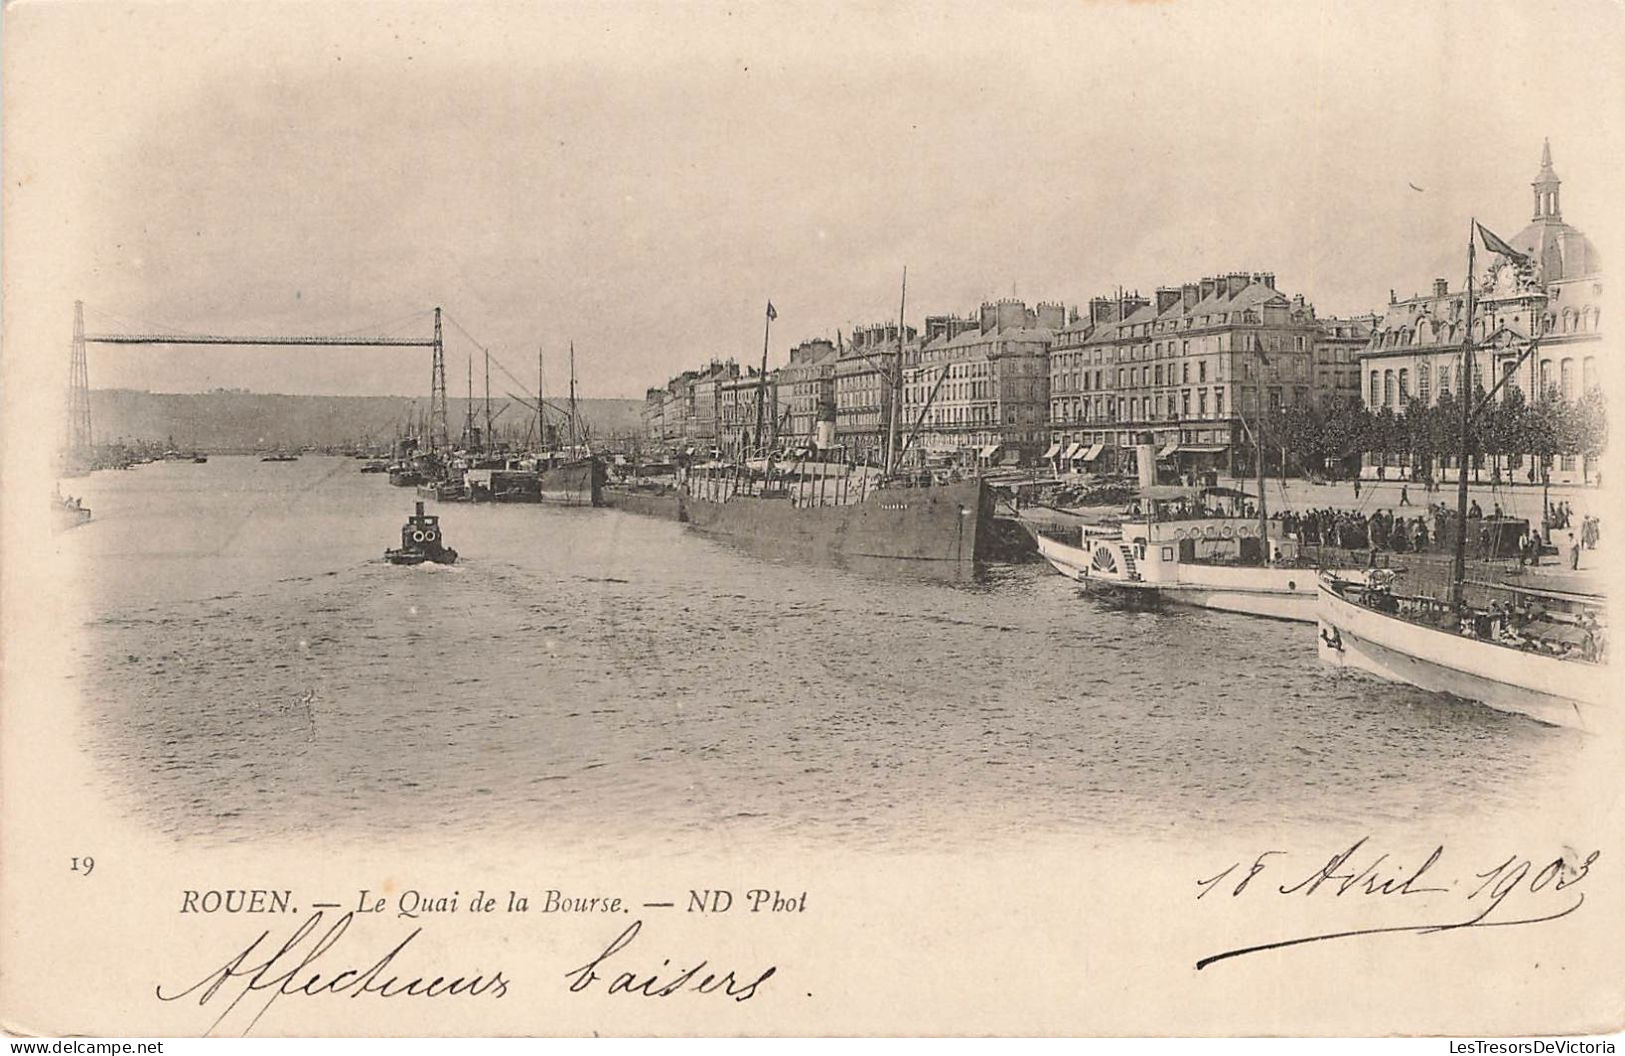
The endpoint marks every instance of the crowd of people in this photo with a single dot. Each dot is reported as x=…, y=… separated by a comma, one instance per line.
x=1487, y=534
x=1357, y=530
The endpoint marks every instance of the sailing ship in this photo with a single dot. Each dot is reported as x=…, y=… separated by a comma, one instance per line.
x=1543, y=655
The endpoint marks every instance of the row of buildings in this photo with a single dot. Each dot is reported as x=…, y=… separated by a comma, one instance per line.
x=1184, y=368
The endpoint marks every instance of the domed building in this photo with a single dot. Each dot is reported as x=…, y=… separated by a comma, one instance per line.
x=1555, y=295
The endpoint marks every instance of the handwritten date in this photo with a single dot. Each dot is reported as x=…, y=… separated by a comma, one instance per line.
x=1534, y=894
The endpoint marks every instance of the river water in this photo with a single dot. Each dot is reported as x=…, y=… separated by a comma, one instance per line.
x=248, y=667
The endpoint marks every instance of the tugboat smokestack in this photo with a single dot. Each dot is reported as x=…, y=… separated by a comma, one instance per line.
x=420, y=509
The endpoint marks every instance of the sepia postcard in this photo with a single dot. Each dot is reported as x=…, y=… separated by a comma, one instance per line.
x=811, y=519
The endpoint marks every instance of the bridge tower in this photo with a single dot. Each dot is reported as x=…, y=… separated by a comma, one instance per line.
x=79, y=435
x=439, y=437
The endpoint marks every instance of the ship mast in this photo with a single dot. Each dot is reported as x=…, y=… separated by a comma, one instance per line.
x=1458, y=568
x=761, y=389
x=541, y=407
x=468, y=413
x=1258, y=456
x=489, y=444
x=572, y=399
x=896, y=382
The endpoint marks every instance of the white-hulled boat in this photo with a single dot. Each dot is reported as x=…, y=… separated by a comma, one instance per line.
x=1419, y=641
x=1545, y=664
x=1187, y=548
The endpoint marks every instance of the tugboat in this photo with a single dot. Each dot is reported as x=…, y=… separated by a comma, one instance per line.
x=421, y=541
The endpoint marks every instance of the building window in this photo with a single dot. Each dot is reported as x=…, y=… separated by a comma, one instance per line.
x=1404, y=386
x=1185, y=373
x=1588, y=373
x=1566, y=373
x=1388, y=388
x=1201, y=402
x=1423, y=382
x=1201, y=370
x=1376, y=388
x=1218, y=401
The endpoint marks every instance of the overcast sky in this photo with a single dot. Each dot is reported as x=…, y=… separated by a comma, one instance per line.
x=642, y=180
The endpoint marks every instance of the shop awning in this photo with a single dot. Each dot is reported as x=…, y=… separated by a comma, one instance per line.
x=1054, y=449
x=1093, y=452
x=989, y=451
x=1072, y=451
x=1203, y=449
x=1168, y=449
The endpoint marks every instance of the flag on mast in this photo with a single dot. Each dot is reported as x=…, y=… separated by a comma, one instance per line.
x=1495, y=244
x=771, y=314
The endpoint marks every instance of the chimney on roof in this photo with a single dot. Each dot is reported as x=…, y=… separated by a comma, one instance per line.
x=1167, y=297
x=1235, y=282
x=1208, y=286
x=1268, y=279
x=1014, y=313
x=1441, y=288
x=1102, y=310
x=989, y=318
x=1391, y=298
x=1191, y=293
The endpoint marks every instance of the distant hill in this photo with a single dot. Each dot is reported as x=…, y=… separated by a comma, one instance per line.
x=244, y=421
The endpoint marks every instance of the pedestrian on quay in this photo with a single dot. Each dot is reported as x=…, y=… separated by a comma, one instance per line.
x=1574, y=553
x=1404, y=495
x=1356, y=487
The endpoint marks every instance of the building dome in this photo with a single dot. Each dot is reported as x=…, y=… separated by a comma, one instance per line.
x=1562, y=251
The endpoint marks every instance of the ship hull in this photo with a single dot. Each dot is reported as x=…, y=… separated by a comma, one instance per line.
x=939, y=523
x=576, y=483
x=1545, y=688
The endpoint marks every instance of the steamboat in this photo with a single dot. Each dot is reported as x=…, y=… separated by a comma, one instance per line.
x=421, y=541
x=1214, y=548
